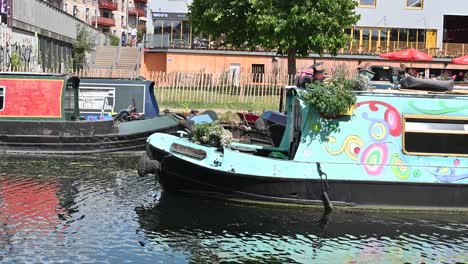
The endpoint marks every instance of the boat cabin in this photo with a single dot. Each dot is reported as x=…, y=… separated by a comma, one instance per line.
x=37, y=96
x=112, y=95
x=413, y=123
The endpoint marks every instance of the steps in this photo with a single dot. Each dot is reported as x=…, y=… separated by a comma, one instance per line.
x=116, y=57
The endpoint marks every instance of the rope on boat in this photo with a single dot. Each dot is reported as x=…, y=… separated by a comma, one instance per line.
x=324, y=188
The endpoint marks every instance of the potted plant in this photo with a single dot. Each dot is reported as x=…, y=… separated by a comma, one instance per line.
x=211, y=134
x=186, y=109
x=331, y=100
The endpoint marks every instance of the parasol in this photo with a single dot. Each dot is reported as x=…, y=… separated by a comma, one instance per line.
x=407, y=55
x=460, y=60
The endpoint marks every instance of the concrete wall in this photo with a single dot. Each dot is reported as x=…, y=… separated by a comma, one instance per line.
x=392, y=13
x=24, y=44
x=49, y=28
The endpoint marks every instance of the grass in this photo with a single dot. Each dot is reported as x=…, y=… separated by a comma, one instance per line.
x=196, y=99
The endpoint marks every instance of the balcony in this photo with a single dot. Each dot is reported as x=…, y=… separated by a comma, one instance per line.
x=141, y=1
x=103, y=21
x=109, y=5
x=133, y=11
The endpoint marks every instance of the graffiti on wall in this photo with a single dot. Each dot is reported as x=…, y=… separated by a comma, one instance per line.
x=18, y=50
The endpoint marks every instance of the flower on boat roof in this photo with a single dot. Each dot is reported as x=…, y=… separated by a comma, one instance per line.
x=212, y=134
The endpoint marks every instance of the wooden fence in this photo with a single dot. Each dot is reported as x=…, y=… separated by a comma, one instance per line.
x=221, y=89
x=182, y=88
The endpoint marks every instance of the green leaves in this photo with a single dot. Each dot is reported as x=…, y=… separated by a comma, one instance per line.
x=85, y=43
x=303, y=25
x=330, y=99
x=212, y=134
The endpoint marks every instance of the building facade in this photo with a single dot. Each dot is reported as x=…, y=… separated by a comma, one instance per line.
x=110, y=16
x=40, y=35
x=438, y=27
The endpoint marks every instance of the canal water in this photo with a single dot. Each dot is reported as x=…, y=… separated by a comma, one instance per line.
x=96, y=209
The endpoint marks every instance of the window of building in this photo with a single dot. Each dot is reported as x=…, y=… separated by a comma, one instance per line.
x=75, y=10
x=417, y=4
x=367, y=3
x=87, y=14
x=2, y=97
x=65, y=7
x=257, y=72
x=447, y=135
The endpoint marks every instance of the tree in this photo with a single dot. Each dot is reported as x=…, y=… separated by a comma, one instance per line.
x=84, y=44
x=293, y=27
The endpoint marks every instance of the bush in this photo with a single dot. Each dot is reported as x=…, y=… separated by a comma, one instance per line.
x=330, y=99
x=16, y=60
x=212, y=134
x=114, y=41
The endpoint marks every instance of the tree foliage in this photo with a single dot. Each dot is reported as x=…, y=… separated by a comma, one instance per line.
x=290, y=26
x=85, y=43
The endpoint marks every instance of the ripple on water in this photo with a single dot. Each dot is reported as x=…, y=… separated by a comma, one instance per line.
x=97, y=210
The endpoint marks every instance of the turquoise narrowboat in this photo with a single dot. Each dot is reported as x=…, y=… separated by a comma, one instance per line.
x=399, y=148
x=40, y=113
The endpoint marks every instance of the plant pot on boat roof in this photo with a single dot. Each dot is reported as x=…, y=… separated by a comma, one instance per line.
x=331, y=100
x=211, y=134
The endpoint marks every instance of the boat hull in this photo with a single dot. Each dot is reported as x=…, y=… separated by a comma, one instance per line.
x=79, y=138
x=180, y=175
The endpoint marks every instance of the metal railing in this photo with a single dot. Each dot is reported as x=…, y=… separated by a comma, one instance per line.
x=109, y=5
x=188, y=41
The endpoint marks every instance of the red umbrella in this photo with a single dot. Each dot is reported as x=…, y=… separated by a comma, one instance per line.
x=386, y=55
x=409, y=55
x=461, y=60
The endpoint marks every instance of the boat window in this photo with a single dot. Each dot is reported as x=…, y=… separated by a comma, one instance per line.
x=435, y=135
x=71, y=100
x=95, y=100
x=2, y=97
x=366, y=3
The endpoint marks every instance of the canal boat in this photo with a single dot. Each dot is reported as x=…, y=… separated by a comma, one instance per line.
x=40, y=113
x=110, y=96
x=399, y=148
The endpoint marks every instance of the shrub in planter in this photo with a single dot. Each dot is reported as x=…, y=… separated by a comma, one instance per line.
x=334, y=98
x=212, y=134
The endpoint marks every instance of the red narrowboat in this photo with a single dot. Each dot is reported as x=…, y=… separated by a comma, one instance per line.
x=40, y=113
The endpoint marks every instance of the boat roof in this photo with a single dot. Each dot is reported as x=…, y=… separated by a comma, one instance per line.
x=33, y=73
x=457, y=91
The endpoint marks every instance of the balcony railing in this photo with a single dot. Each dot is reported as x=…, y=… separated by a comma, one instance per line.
x=103, y=21
x=109, y=5
x=189, y=41
x=133, y=11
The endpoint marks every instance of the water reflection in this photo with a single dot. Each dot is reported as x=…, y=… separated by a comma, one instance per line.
x=97, y=210
x=208, y=229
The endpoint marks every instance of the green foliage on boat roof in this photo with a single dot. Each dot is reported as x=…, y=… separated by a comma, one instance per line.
x=334, y=98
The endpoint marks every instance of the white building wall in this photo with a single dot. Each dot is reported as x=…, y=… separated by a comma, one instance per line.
x=170, y=6
x=392, y=13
